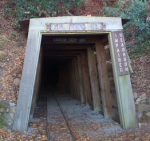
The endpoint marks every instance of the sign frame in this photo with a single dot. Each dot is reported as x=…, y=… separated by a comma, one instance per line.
x=55, y=27
x=120, y=53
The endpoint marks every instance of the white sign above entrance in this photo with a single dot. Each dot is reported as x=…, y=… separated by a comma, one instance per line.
x=75, y=26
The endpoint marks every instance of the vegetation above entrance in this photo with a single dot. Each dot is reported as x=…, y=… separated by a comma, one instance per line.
x=26, y=9
x=137, y=30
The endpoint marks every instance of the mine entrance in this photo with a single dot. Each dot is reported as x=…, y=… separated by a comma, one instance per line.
x=87, y=60
x=70, y=64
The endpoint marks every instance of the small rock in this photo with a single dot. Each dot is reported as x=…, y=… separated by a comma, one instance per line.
x=7, y=110
x=1, y=110
x=141, y=97
x=143, y=107
x=148, y=101
x=17, y=82
x=148, y=114
x=9, y=123
x=13, y=110
x=142, y=124
x=139, y=115
x=12, y=116
x=135, y=95
x=12, y=104
x=143, y=102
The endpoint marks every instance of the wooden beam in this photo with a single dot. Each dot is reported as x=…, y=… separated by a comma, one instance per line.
x=74, y=79
x=37, y=85
x=94, y=80
x=64, y=47
x=104, y=82
x=86, y=80
x=77, y=79
x=89, y=39
x=81, y=85
x=27, y=81
x=64, y=51
x=60, y=55
x=72, y=88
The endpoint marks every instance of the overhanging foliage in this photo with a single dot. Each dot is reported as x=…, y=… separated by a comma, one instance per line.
x=26, y=9
x=137, y=30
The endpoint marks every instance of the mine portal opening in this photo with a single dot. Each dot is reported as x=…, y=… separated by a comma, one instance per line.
x=69, y=64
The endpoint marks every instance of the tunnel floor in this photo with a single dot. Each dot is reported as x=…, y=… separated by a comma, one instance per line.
x=69, y=120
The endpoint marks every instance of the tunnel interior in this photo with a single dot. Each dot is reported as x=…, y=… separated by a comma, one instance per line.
x=65, y=65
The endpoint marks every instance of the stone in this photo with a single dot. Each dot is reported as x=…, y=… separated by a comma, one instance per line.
x=148, y=114
x=11, y=116
x=148, y=101
x=7, y=110
x=143, y=107
x=143, y=102
x=17, y=82
x=139, y=115
x=143, y=96
x=12, y=104
x=135, y=95
x=9, y=123
x=13, y=110
x=142, y=124
x=1, y=110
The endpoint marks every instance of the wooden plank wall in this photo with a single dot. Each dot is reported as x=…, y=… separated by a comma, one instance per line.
x=94, y=80
x=104, y=82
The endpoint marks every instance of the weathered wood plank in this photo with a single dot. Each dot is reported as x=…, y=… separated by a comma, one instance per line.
x=104, y=82
x=74, y=79
x=125, y=98
x=94, y=80
x=81, y=85
x=67, y=79
x=27, y=82
x=72, y=89
x=86, y=79
x=37, y=85
x=77, y=79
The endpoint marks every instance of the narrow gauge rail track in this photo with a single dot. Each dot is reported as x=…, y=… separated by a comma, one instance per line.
x=64, y=117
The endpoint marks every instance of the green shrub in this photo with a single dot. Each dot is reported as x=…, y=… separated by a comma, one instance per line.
x=26, y=9
x=137, y=30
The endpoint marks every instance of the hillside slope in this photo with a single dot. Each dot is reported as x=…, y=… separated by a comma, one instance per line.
x=12, y=51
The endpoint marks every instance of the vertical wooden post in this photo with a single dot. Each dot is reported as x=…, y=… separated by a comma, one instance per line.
x=86, y=79
x=81, y=85
x=37, y=85
x=68, y=78
x=73, y=80
x=94, y=80
x=77, y=79
x=125, y=98
x=104, y=82
x=27, y=81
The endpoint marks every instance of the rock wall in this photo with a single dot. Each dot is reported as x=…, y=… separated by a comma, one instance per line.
x=142, y=103
x=7, y=113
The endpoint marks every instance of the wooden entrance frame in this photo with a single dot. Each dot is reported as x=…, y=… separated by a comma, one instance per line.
x=122, y=82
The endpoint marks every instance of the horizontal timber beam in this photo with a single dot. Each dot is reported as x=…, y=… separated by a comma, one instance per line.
x=49, y=40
